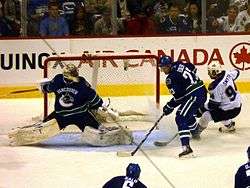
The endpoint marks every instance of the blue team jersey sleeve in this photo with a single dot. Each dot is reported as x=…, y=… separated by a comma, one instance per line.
x=53, y=84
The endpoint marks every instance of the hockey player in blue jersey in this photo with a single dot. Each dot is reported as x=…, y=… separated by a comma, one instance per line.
x=189, y=93
x=242, y=176
x=131, y=180
x=73, y=99
x=76, y=103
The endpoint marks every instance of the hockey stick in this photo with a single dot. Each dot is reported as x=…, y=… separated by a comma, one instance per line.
x=164, y=143
x=127, y=154
x=19, y=91
x=24, y=91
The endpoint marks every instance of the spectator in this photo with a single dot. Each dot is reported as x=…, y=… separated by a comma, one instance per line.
x=244, y=17
x=241, y=4
x=247, y=27
x=134, y=6
x=82, y=22
x=242, y=176
x=175, y=22
x=217, y=8
x=161, y=9
x=103, y=26
x=12, y=14
x=149, y=24
x=69, y=8
x=54, y=24
x=227, y=23
x=138, y=23
x=194, y=16
x=5, y=27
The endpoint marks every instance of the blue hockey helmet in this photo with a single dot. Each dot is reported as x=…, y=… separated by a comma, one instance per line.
x=165, y=61
x=133, y=171
x=248, y=152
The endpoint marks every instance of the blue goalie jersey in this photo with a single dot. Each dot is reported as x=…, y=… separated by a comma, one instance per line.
x=72, y=98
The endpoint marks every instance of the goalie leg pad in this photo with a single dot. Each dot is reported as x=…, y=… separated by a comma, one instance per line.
x=95, y=137
x=33, y=134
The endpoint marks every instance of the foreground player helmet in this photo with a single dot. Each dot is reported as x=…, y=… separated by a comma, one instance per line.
x=133, y=171
x=214, y=69
x=165, y=61
x=70, y=72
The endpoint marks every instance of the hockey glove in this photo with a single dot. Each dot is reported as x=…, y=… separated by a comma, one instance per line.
x=43, y=85
x=167, y=109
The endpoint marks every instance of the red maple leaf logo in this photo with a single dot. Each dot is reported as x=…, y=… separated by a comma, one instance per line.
x=242, y=57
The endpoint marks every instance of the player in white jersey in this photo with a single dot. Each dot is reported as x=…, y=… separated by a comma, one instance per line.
x=225, y=101
x=244, y=17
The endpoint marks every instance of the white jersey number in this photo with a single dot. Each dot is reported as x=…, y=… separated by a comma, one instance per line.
x=128, y=184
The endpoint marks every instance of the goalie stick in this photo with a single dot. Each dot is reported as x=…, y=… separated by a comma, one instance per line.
x=127, y=154
x=24, y=91
x=19, y=91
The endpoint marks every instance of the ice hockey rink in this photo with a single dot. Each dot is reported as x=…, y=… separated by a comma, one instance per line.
x=63, y=162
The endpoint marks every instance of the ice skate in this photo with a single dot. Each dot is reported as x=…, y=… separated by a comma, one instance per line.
x=186, y=153
x=230, y=128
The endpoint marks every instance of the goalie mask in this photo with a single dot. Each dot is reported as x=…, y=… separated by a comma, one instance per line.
x=70, y=72
x=133, y=171
x=214, y=69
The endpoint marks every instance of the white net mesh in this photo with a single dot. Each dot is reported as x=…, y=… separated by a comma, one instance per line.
x=130, y=80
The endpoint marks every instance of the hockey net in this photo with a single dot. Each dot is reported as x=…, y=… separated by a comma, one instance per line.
x=130, y=81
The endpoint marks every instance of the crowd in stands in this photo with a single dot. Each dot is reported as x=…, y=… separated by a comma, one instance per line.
x=58, y=18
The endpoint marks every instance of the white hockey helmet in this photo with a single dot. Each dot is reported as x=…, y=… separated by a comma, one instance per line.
x=70, y=72
x=214, y=68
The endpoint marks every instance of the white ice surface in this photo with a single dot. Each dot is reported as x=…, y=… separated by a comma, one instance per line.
x=64, y=163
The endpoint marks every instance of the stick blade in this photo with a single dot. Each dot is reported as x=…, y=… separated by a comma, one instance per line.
x=161, y=143
x=123, y=154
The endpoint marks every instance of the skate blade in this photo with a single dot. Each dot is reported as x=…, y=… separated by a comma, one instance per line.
x=227, y=131
x=123, y=154
x=189, y=156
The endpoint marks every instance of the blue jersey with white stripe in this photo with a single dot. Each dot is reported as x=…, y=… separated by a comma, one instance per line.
x=124, y=182
x=242, y=176
x=182, y=81
x=72, y=97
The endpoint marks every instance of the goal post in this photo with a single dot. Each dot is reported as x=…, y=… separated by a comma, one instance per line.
x=112, y=74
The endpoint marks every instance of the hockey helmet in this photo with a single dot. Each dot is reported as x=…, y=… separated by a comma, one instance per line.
x=70, y=72
x=133, y=171
x=165, y=61
x=214, y=68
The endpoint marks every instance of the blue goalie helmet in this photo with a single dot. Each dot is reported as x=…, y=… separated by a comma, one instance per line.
x=165, y=61
x=133, y=171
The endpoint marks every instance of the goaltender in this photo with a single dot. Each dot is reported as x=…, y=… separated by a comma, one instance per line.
x=76, y=103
